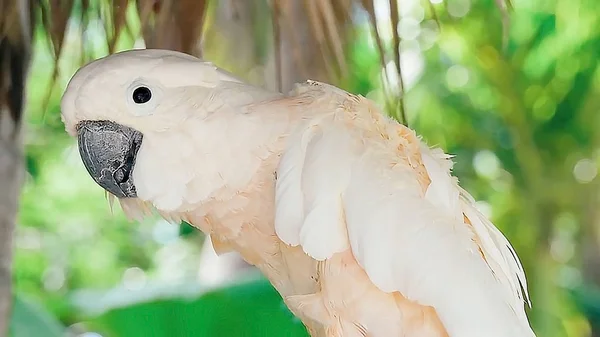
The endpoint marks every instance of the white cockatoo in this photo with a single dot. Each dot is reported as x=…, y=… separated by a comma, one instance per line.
x=356, y=222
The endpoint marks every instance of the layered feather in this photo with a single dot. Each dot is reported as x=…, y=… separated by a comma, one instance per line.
x=382, y=241
x=352, y=168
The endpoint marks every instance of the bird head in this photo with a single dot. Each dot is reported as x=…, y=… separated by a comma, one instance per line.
x=142, y=120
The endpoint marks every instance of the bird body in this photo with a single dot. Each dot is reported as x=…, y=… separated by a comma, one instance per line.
x=356, y=222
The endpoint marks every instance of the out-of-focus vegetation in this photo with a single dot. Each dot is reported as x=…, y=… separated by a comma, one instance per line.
x=521, y=115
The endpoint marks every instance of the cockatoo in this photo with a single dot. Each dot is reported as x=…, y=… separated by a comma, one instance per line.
x=356, y=222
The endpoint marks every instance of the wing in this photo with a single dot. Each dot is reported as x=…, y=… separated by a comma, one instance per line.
x=350, y=179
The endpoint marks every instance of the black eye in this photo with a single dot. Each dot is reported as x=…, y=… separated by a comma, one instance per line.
x=142, y=95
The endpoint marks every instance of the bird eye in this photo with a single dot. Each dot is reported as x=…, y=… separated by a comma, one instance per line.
x=142, y=95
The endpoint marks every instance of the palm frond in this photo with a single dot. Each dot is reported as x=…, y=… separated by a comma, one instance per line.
x=55, y=17
x=117, y=14
x=322, y=28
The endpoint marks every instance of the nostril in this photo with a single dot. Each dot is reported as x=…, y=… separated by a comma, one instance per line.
x=120, y=176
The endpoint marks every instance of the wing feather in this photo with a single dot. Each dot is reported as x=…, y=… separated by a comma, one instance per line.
x=289, y=197
x=308, y=217
x=354, y=187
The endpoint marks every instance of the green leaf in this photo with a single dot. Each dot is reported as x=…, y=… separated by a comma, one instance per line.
x=33, y=167
x=30, y=320
x=249, y=309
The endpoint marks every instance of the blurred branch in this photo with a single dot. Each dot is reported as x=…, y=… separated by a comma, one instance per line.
x=502, y=75
x=275, y=14
x=370, y=8
x=504, y=6
x=590, y=202
x=395, y=18
x=15, y=45
x=55, y=17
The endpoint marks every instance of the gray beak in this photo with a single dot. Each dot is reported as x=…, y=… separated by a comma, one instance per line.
x=108, y=151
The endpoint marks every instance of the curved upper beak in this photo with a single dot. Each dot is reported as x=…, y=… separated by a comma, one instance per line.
x=108, y=151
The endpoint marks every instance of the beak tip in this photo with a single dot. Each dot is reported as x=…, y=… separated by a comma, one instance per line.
x=108, y=151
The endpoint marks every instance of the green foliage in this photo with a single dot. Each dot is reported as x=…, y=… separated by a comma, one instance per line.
x=587, y=298
x=250, y=309
x=522, y=122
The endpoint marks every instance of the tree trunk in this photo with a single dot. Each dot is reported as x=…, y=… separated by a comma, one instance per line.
x=299, y=52
x=173, y=24
x=590, y=246
x=15, y=44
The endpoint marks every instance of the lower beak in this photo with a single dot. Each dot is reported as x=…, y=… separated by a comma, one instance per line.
x=108, y=151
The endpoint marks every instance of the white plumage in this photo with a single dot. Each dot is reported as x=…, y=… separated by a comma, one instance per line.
x=357, y=223
x=351, y=186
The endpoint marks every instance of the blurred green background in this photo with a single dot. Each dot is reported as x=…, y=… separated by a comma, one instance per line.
x=516, y=99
